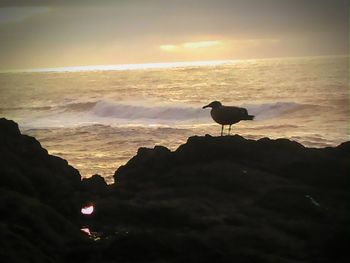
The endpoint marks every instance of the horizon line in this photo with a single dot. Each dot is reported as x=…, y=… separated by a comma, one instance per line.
x=151, y=65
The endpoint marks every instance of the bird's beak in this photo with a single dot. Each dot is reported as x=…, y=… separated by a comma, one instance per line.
x=206, y=106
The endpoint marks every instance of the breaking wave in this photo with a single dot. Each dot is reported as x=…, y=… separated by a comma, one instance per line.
x=135, y=112
x=140, y=113
x=172, y=112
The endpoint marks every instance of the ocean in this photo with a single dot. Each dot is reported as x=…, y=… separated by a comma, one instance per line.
x=97, y=117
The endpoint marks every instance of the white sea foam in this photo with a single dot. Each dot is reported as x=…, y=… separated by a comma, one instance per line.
x=137, y=113
x=273, y=110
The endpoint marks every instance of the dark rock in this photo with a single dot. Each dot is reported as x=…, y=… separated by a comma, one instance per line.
x=32, y=231
x=27, y=168
x=38, y=200
x=94, y=185
x=8, y=128
x=214, y=199
x=243, y=200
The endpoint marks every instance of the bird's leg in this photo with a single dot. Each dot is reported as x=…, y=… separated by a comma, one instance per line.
x=229, y=129
x=222, y=129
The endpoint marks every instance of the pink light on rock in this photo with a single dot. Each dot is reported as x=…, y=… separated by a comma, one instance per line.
x=87, y=210
x=86, y=230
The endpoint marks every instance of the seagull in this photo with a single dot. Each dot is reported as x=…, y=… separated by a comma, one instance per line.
x=227, y=115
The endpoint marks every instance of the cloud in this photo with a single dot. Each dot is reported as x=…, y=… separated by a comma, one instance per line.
x=51, y=3
x=169, y=48
x=18, y=14
x=191, y=45
x=201, y=44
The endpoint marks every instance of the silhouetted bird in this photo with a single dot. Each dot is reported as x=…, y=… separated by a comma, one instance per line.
x=227, y=115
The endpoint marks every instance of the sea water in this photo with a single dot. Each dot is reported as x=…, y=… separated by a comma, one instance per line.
x=97, y=117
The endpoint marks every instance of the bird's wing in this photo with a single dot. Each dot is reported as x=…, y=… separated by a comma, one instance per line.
x=244, y=110
x=235, y=112
x=228, y=115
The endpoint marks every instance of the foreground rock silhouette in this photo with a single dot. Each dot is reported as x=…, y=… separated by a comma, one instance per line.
x=38, y=200
x=214, y=199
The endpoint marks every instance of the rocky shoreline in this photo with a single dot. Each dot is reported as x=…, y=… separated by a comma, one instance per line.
x=214, y=199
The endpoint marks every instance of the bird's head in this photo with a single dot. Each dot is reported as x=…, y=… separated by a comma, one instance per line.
x=214, y=104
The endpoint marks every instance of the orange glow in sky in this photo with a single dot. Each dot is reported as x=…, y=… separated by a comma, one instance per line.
x=190, y=45
x=65, y=34
x=201, y=44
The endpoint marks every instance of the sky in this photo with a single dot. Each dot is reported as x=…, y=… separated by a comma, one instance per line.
x=40, y=34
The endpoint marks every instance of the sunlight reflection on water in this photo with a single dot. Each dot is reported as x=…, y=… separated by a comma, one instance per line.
x=98, y=119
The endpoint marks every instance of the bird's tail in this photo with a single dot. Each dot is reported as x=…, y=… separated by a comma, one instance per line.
x=250, y=117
